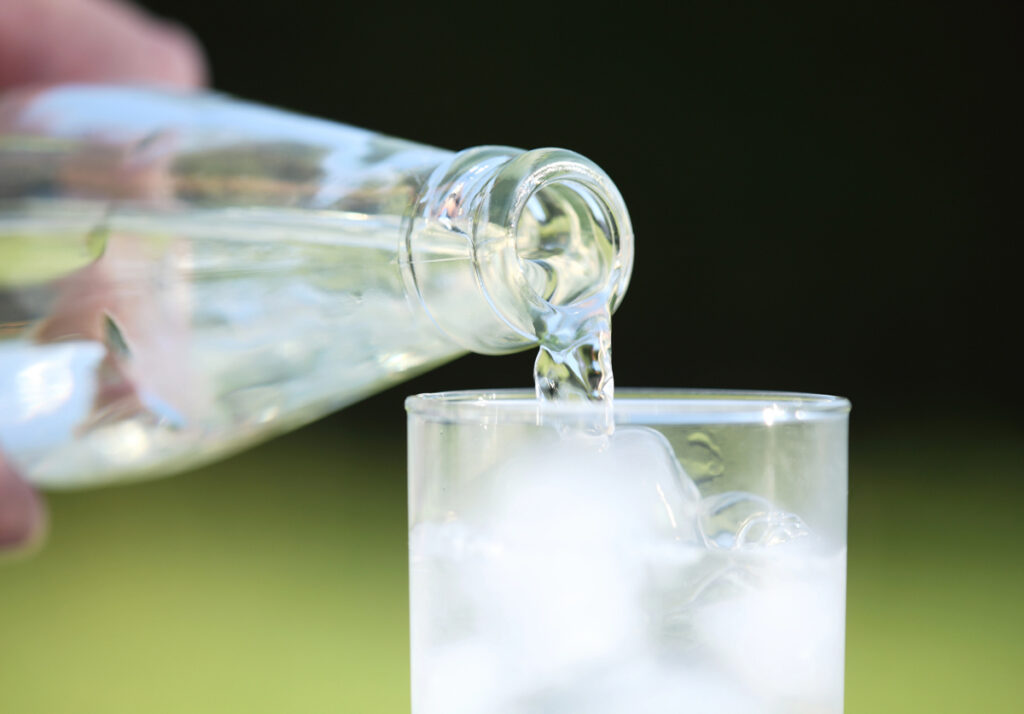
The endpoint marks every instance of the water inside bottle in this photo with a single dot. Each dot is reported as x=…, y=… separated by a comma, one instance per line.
x=143, y=343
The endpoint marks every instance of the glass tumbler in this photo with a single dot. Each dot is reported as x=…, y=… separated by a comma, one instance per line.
x=692, y=560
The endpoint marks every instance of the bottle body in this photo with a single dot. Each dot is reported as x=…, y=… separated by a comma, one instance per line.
x=181, y=275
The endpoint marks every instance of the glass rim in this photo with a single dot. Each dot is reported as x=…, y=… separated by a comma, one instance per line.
x=634, y=405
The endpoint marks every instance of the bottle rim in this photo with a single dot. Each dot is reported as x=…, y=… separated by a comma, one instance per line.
x=498, y=259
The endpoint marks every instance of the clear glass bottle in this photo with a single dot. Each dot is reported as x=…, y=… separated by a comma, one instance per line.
x=184, y=274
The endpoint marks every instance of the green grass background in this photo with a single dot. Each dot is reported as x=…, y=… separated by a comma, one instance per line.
x=276, y=582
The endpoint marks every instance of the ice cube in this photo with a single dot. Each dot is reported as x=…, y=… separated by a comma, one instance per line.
x=582, y=489
x=460, y=678
x=647, y=456
x=735, y=520
x=642, y=685
x=570, y=523
x=737, y=531
x=783, y=639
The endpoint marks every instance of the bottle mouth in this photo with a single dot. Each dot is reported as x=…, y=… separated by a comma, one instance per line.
x=554, y=233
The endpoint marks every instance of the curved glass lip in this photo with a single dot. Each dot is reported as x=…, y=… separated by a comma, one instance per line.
x=633, y=406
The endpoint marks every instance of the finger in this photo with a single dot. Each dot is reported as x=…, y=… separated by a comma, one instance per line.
x=48, y=41
x=22, y=514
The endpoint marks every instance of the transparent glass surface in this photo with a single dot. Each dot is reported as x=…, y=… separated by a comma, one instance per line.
x=694, y=560
x=182, y=274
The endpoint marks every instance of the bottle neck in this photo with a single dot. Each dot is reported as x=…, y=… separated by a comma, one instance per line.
x=500, y=237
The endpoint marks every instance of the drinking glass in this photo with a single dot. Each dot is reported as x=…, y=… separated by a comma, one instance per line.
x=692, y=560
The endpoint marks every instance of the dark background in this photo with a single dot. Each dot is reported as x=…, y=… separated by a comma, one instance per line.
x=825, y=198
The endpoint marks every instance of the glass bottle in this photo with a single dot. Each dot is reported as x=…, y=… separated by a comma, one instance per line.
x=184, y=274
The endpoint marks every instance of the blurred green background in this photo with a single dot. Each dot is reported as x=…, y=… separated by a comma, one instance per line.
x=825, y=199
x=276, y=581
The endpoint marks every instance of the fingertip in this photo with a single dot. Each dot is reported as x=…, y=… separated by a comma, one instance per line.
x=181, y=60
x=49, y=41
x=23, y=517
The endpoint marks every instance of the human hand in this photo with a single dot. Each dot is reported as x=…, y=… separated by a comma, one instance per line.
x=57, y=41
